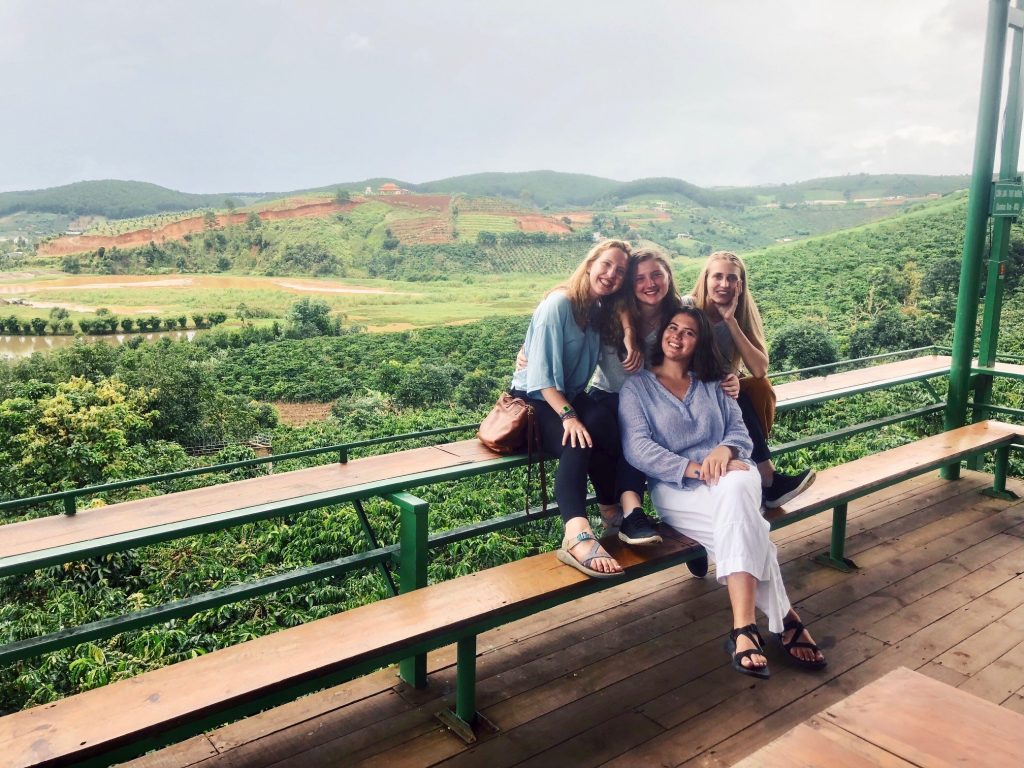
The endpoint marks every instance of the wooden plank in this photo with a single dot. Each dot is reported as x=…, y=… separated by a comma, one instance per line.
x=864, y=474
x=998, y=681
x=985, y=647
x=929, y=723
x=802, y=389
x=57, y=530
x=817, y=743
x=188, y=752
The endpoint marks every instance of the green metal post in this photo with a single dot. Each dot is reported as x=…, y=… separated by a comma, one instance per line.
x=412, y=569
x=465, y=684
x=979, y=202
x=69, y=505
x=836, y=557
x=1010, y=154
x=999, y=471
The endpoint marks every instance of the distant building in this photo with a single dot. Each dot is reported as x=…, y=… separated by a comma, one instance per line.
x=391, y=189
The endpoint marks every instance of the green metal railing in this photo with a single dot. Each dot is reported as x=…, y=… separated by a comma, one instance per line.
x=69, y=497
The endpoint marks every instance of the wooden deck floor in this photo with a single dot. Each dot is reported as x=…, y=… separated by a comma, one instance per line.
x=636, y=675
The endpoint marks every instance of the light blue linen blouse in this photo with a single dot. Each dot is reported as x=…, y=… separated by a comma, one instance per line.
x=661, y=433
x=560, y=354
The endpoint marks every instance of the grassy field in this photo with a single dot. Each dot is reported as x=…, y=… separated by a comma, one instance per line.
x=378, y=304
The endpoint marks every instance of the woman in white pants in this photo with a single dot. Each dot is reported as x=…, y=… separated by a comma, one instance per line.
x=687, y=436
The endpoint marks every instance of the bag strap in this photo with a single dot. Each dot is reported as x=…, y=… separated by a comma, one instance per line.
x=533, y=445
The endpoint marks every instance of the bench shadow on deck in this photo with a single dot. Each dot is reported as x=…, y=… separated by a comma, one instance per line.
x=636, y=675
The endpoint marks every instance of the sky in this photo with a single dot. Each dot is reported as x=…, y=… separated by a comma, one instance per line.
x=276, y=95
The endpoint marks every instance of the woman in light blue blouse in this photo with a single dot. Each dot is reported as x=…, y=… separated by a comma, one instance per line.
x=688, y=437
x=562, y=347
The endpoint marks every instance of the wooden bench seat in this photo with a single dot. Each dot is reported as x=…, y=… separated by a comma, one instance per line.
x=32, y=544
x=836, y=486
x=166, y=704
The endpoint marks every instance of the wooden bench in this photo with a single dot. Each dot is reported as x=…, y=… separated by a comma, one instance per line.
x=170, y=703
x=26, y=546
x=835, y=487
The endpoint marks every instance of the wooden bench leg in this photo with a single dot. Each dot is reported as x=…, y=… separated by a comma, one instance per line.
x=465, y=722
x=999, y=471
x=835, y=558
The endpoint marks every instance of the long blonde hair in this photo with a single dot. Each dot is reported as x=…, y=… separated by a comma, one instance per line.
x=577, y=288
x=747, y=314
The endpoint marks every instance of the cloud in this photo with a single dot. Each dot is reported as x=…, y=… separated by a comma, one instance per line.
x=356, y=43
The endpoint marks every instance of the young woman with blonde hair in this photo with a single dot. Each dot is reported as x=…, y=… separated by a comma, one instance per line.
x=723, y=293
x=562, y=346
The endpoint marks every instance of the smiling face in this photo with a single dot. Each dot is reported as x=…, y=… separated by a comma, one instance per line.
x=724, y=282
x=682, y=334
x=606, y=272
x=651, y=283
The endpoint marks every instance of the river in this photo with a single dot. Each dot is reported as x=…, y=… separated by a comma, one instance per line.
x=13, y=347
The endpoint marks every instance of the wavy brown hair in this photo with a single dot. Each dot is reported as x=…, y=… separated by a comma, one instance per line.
x=611, y=328
x=707, y=363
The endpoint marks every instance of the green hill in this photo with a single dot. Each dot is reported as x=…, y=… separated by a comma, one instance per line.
x=110, y=198
x=541, y=188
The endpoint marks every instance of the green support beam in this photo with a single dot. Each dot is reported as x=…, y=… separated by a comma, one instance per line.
x=994, y=285
x=979, y=202
x=412, y=568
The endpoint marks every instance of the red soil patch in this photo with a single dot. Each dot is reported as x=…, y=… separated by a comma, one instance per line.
x=178, y=229
x=542, y=224
x=576, y=217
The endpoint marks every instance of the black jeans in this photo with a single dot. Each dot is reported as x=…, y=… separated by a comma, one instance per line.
x=761, y=450
x=574, y=464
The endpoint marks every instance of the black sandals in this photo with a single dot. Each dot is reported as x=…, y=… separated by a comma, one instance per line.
x=750, y=631
x=797, y=627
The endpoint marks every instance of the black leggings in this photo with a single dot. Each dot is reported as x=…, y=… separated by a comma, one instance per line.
x=574, y=464
x=761, y=450
x=627, y=477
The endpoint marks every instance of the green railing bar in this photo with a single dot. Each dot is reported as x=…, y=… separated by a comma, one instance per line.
x=177, y=609
x=213, y=468
x=994, y=372
x=31, y=561
x=371, y=537
x=189, y=606
x=856, y=429
x=1003, y=409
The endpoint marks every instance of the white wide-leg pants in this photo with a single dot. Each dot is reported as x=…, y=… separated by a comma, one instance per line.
x=727, y=520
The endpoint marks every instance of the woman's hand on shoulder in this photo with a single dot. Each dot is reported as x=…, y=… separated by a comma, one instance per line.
x=634, y=358
x=521, y=361
x=730, y=384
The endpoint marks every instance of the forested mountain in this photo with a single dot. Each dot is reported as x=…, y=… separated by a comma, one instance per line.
x=124, y=199
x=110, y=198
